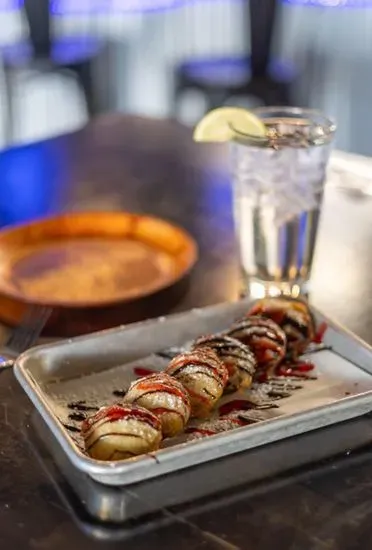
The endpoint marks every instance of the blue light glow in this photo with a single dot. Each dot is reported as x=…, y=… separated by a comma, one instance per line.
x=331, y=3
x=74, y=7
x=64, y=50
x=81, y=7
x=234, y=70
x=86, y=7
x=10, y=5
x=33, y=180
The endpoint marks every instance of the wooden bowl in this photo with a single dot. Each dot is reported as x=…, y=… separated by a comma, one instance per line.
x=96, y=269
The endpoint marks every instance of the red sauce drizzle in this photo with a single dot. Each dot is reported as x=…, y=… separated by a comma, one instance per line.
x=235, y=422
x=143, y=371
x=294, y=369
x=262, y=377
x=197, y=396
x=304, y=366
x=155, y=386
x=319, y=336
x=231, y=367
x=275, y=314
x=235, y=405
x=200, y=431
x=116, y=412
x=220, y=371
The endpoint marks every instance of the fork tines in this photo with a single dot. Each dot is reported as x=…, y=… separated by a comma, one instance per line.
x=32, y=324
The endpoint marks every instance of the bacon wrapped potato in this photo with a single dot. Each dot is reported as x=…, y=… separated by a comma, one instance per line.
x=264, y=337
x=293, y=316
x=203, y=375
x=118, y=433
x=238, y=358
x=165, y=397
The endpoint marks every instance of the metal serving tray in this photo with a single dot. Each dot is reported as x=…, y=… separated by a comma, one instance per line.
x=226, y=478
x=90, y=367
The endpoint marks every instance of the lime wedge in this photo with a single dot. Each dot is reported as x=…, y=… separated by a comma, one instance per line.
x=226, y=123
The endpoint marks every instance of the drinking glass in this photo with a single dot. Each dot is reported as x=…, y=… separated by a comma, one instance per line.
x=278, y=192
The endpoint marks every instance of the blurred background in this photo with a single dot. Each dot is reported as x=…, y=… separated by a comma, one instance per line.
x=64, y=61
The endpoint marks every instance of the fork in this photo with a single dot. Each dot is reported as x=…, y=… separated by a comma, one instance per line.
x=25, y=335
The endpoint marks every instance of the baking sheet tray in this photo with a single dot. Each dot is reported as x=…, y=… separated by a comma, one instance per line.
x=90, y=367
x=111, y=506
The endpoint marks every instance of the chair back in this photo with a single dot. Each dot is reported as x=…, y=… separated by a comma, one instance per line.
x=263, y=15
x=37, y=14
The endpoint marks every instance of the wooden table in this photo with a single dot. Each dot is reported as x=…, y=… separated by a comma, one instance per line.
x=152, y=166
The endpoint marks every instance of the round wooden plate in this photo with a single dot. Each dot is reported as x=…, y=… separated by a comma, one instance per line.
x=87, y=265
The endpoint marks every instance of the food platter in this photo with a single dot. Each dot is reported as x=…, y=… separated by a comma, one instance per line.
x=93, y=369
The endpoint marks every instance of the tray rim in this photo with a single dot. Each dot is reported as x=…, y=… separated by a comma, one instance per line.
x=264, y=482
x=98, y=470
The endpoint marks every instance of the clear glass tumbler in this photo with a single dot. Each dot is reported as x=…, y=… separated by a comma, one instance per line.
x=278, y=191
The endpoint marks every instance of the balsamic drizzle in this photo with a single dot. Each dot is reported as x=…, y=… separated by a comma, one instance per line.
x=170, y=353
x=119, y=393
x=316, y=348
x=81, y=406
x=77, y=417
x=70, y=428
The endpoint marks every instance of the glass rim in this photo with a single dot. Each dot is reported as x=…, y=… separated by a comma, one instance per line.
x=313, y=115
x=300, y=111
